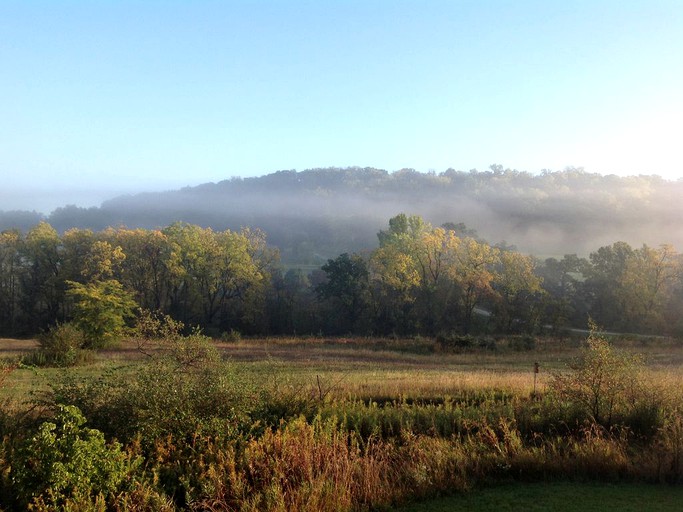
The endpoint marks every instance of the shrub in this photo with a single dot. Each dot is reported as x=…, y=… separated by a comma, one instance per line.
x=522, y=343
x=155, y=325
x=666, y=457
x=61, y=345
x=65, y=462
x=231, y=336
x=185, y=391
x=607, y=386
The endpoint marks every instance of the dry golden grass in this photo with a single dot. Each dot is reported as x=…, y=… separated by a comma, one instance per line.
x=13, y=348
x=443, y=383
x=372, y=366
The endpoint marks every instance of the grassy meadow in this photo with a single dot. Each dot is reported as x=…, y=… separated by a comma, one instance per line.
x=316, y=423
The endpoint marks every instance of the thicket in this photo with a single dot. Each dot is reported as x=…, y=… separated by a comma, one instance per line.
x=187, y=430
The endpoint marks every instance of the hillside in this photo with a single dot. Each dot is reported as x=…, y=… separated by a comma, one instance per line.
x=316, y=214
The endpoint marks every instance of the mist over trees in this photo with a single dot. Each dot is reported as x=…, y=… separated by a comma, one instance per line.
x=325, y=251
x=317, y=214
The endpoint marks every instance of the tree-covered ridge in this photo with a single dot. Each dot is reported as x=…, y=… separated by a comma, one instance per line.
x=316, y=214
x=420, y=280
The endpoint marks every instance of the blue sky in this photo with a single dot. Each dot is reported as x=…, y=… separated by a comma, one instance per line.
x=102, y=98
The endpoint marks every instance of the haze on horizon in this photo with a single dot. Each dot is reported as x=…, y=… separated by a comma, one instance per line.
x=103, y=99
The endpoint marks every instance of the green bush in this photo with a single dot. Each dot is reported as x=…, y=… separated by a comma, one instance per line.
x=607, y=386
x=66, y=462
x=522, y=343
x=231, y=336
x=186, y=391
x=62, y=345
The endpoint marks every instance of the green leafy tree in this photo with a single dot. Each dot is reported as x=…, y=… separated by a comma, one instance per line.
x=646, y=285
x=11, y=271
x=402, y=228
x=102, y=262
x=405, y=271
x=347, y=288
x=76, y=246
x=518, y=290
x=629, y=288
x=473, y=272
x=395, y=280
x=210, y=269
x=100, y=310
x=42, y=282
x=606, y=272
x=423, y=276
x=146, y=266
x=435, y=256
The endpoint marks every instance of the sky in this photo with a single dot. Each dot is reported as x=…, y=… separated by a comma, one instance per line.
x=101, y=98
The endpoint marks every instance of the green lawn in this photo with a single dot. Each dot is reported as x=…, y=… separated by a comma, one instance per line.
x=560, y=497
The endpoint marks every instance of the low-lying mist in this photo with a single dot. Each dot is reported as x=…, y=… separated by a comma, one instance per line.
x=317, y=214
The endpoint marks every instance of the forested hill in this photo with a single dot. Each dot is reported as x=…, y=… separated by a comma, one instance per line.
x=319, y=213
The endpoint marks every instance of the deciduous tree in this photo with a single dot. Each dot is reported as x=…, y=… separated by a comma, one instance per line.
x=100, y=310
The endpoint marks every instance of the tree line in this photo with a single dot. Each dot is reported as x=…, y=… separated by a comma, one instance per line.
x=420, y=279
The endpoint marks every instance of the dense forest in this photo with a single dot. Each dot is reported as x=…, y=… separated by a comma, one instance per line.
x=317, y=214
x=420, y=279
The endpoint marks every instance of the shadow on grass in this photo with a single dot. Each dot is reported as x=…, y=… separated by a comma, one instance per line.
x=559, y=497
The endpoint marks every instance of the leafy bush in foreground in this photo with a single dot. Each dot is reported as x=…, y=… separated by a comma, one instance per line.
x=67, y=462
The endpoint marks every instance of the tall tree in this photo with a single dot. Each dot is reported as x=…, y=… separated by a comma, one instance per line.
x=346, y=288
x=565, y=298
x=518, y=292
x=42, y=284
x=603, y=284
x=10, y=281
x=77, y=245
x=394, y=279
x=145, y=270
x=209, y=269
x=474, y=274
x=645, y=286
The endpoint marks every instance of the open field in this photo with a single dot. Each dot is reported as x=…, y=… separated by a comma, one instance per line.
x=366, y=367
x=314, y=424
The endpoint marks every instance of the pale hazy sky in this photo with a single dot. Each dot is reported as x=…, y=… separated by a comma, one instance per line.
x=99, y=98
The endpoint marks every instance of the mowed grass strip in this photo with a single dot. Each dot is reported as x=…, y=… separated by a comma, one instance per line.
x=559, y=497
